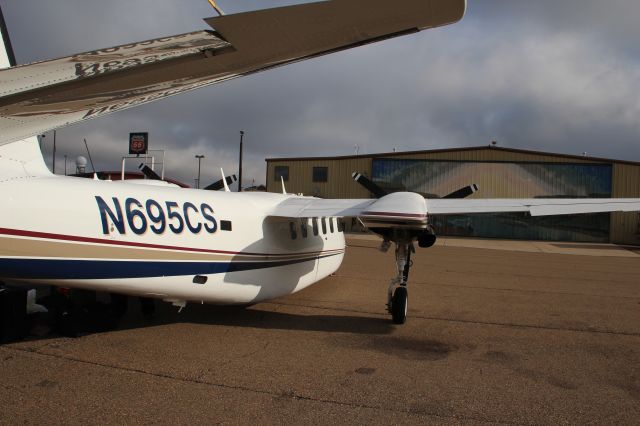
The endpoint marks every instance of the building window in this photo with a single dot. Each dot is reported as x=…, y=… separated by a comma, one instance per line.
x=282, y=171
x=320, y=174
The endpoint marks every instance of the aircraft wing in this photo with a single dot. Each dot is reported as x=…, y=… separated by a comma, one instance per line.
x=407, y=207
x=301, y=207
x=46, y=95
x=535, y=206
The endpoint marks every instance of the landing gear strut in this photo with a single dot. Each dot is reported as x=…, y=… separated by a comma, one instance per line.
x=397, y=296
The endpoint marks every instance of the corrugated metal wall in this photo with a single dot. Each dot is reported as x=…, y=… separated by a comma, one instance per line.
x=625, y=227
x=339, y=183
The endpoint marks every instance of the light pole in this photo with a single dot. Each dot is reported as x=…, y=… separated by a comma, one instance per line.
x=54, y=152
x=199, y=157
x=240, y=165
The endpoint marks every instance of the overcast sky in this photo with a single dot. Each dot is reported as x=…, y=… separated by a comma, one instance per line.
x=560, y=76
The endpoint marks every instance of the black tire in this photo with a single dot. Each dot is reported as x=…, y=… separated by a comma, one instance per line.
x=399, y=305
x=147, y=307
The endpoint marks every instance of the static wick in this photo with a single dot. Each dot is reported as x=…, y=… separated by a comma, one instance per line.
x=215, y=6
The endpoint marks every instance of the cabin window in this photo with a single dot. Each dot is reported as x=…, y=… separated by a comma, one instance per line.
x=320, y=174
x=324, y=225
x=314, y=221
x=225, y=225
x=331, y=225
x=292, y=229
x=282, y=172
x=303, y=228
x=340, y=225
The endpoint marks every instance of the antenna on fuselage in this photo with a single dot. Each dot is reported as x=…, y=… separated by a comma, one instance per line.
x=224, y=180
x=215, y=6
x=89, y=152
x=284, y=190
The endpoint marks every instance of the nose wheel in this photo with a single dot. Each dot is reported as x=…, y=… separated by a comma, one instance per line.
x=398, y=296
x=399, y=305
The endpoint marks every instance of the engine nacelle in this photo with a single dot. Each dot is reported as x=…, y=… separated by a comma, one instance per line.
x=427, y=239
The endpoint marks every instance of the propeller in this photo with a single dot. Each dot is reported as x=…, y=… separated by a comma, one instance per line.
x=150, y=174
x=216, y=186
x=463, y=192
x=368, y=184
x=378, y=192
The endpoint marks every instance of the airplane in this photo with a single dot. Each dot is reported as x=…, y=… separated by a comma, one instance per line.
x=187, y=245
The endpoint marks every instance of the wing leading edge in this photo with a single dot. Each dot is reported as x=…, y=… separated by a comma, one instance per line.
x=411, y=208
x=43, y=96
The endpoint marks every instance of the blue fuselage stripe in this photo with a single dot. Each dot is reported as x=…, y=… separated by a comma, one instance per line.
x=63, y=269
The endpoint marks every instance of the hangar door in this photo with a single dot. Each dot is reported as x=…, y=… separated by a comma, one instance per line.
x=433, y=178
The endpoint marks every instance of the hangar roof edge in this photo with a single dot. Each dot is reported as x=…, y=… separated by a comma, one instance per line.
x=472, y=148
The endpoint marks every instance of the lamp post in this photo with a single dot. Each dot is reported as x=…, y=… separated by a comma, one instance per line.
x=240, y=165
x=54, y=152
x=199, y=157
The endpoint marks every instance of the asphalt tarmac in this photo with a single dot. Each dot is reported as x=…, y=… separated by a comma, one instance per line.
x=494, y=336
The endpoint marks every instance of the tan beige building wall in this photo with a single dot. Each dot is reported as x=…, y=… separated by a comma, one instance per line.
x=339, y=183
x=625, y=227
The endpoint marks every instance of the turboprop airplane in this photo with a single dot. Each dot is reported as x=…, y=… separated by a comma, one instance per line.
x=184, y=245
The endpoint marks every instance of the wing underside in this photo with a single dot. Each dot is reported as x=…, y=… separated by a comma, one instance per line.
x=535, y=206
x=39, y=97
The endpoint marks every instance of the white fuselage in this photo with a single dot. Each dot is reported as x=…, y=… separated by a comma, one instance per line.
x=164, y=242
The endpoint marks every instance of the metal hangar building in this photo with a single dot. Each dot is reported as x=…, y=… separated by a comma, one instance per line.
x=499, y=173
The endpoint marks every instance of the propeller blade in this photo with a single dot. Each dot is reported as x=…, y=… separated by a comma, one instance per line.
x=150, y=174
x=369, y=185
x=463, y=192
x=216, y=186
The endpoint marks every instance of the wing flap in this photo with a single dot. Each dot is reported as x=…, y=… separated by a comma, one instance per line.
x=91, y=64
x=300, y=207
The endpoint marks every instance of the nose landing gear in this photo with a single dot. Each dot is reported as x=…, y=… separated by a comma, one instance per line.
x=398, y=296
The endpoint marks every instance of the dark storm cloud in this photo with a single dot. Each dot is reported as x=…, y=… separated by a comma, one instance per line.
x=558, y=76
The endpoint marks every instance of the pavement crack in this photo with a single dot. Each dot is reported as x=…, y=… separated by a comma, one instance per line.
x=291, y=395
x=515, y=290
x=530, y=326
x=464, y=321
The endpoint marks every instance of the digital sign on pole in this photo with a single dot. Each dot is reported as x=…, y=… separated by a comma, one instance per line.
x=138, y=143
